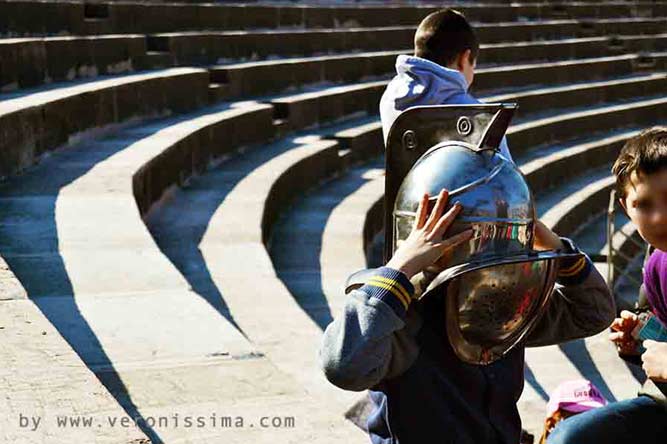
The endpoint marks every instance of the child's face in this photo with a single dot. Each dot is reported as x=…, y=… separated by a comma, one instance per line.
x=646, y=205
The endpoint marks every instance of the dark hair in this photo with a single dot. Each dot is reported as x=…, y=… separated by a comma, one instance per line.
x=443, y=35
x=645, y=153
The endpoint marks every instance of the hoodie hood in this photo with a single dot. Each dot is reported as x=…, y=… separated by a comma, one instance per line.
x=420, y=82
x=427, y=83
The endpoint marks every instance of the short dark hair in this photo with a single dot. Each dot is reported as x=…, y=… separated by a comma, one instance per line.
x=443, y=35
x=645, y=153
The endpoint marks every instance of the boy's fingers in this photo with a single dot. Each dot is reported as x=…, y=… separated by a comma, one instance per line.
x=421, y=212
x=627, y=321
x=617, y=325
x=445, y=221
x=625, y=314
x=618, y=336
x=455, y=240
x=437, y=210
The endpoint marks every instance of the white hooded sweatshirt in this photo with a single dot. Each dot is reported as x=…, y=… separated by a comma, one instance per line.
x=421, y=82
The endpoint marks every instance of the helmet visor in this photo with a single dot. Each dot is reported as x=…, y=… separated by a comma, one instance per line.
x=491, y=308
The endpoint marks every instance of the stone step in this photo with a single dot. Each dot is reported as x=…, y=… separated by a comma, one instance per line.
x=43, y=119
x=29, y=62
x=272, y=76
x=548, y=166
x=210, y=47
x=544, y=101
x=153, y=60
x=566, y=71
x=319, y=242
x=308, y=109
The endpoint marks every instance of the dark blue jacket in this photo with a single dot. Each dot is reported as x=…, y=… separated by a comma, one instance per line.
x=397, y=348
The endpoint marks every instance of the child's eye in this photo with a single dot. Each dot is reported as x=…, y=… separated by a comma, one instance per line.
x=644, y=205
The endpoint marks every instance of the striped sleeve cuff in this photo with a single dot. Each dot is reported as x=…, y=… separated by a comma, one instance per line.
x=391, y=287
x=573, y=271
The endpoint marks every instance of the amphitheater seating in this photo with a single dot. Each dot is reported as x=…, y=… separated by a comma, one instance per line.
x=188, y=185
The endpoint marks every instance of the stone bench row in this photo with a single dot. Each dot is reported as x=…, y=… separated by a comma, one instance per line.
x=37, y=122
x=213, y=47
x=272, y=76
x=23, y=18
x=30, y=62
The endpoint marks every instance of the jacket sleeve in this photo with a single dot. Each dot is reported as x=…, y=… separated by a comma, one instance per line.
x=373, y=338
x=581, y=305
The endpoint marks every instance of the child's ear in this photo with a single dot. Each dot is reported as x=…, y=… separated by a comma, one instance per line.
x=462, y=58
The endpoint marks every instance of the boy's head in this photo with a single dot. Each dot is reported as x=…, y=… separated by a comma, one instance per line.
x=445, y=37
x=641, y=184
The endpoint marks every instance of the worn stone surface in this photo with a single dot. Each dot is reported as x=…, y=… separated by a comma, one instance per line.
x=34, y=122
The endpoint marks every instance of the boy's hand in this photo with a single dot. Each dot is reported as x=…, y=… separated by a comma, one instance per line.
x=545, y=239
x=426, y=243
x=622, y=333
x=655, y=360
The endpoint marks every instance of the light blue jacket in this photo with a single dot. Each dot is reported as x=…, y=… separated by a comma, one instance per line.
x=422, y=82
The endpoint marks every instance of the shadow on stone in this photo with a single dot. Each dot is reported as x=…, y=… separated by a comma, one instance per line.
x=298, y=244
x=530, y=378
x=36, y=262
x=179, y=226
x=579, y=355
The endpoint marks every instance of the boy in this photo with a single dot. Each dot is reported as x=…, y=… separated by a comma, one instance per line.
x=440, y=72
x=641, y=183
x=394, y=346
